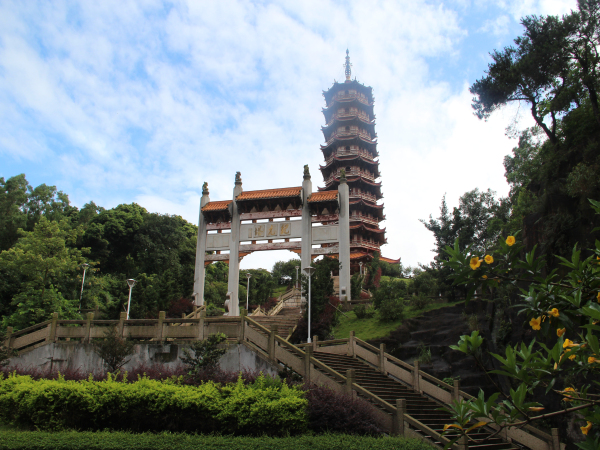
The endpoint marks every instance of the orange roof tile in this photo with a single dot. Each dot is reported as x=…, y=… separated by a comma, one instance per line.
x=270, y=193
x=221, y=205
x=389, y=260
x=323, y=196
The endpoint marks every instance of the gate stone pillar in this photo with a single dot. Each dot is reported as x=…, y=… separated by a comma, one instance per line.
x=344, y=235
x=234, y=251
x=306, y=246
x=199, y=271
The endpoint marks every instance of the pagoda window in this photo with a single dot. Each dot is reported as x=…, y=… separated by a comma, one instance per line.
x=347, y=129
x=348, y=149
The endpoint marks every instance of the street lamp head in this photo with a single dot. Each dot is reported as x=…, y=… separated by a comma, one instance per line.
x=131, y=282
x=85, y=265
x=248, y=275
x=309, y=270
x=297, y=267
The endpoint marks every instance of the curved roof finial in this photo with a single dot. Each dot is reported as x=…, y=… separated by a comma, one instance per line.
x=347, y=65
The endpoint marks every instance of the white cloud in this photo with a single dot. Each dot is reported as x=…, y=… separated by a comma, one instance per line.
x=144, y=101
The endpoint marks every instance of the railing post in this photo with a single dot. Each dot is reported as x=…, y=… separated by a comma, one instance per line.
x=399, y=419
x=315, y=343
x=159, y=326
x=307, y=364
x=462, y=443
x=351, y=343
x=9, y=331
x=350, y=379
x=555, y=439
x=382, y=358
x=272, y=334
x=202, y=334
x=121, y=326
x=88, y=325
x=456, y=390
x=53, y=325
x=416, y=376
x=242, y=333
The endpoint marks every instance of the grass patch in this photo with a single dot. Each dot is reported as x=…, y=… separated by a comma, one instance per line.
x=373, y=328
x=71, y=440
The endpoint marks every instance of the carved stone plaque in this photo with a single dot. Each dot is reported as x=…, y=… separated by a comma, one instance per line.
x=284, y=229
x=259, y=230
x=272, y=229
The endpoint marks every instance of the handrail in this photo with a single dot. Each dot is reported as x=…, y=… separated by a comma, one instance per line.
x=256, y=324
x=421, y=426
x=358, y=388
x=31, y=328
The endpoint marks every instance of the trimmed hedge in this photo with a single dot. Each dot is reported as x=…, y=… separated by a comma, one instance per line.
x=264, y=407
x=35, y=440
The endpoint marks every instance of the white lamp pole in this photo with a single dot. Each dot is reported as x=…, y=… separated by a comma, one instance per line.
x=297, y=267
x=131, y=283
x=248, y=275
x=309, y=271
x=85, y=266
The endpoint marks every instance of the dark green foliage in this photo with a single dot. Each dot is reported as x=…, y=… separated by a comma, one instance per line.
x=356, y=286
x=204, y=354
x=261, y=286
x=264, y=407
x=363, y=312
x=114, y=350
x=5, y=353
x=390, y=289
x=321, y=285
x=419, y=301
x=284, y=272
x=425, y=284
x=104, y=440
x=391, y=309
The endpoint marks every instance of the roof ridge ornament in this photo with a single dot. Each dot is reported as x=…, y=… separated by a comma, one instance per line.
x=238, y=178
x=306, y=172
x=348, y=66
x=205, y=189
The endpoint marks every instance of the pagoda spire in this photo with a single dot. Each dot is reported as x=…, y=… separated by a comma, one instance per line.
x=348, y=66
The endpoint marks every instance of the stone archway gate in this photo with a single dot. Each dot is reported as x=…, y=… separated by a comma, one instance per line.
x=252, y=221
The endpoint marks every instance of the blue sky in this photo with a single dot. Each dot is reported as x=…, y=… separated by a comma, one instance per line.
x=119, y=102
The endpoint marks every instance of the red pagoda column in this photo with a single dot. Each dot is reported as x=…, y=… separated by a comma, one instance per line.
x=351, y=145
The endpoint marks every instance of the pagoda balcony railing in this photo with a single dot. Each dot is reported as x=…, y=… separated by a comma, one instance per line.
x=334, y=136
x=368, y=243
x=353, y=172
x=365, y=219
x=364, y=195
x=365, y=154
x=360, y=115
x=340, y=96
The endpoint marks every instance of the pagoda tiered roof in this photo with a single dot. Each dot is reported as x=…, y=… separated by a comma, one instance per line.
x=347, y=85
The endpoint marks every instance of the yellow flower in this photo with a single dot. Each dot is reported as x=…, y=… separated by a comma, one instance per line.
x=572, y=357
x=554, y=312
x=484, y=277
x=510, y=241
x=598, y=297
x=536, y=408
x=489, y=259
x=587, y=428
x=569, y=391
x=568, y=343
x=560, y=331
x=592, y=360
x=535, y=323
x=475, y=262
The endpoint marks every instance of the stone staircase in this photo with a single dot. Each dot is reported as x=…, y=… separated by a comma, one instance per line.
x=285, y=321
x=418, y=405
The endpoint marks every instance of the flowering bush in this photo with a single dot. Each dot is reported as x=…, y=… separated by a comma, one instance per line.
x=564, y=310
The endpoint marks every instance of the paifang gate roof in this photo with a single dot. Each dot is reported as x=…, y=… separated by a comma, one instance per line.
x=323, y=196
x=220, y=205
x=270, y=194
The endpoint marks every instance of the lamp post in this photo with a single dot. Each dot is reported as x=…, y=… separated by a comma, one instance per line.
x=297, y=267
x=85, y=266
x=360, y=265
x=309, y=271
x=131, y=283
x=248, y=275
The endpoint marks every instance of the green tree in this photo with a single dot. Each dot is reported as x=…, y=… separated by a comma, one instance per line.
x=284, y=272
x=114, y=349
x=44, y=266
x=204, y=354
x=261, y=286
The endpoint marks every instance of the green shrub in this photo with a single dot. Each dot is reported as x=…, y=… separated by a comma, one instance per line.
x=151, y=405
x=391, y=289
x=71, y=440
x=362, y=312
x=391, y=309
x=420, y=301
x=204, y=354
x=114, y=350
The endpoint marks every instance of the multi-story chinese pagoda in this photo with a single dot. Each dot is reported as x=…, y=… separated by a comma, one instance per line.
x=351, y=146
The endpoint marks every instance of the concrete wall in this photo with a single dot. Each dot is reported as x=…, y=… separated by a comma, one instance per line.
x=74, y=355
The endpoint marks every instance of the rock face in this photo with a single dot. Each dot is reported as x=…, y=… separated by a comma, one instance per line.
x=436, y=331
